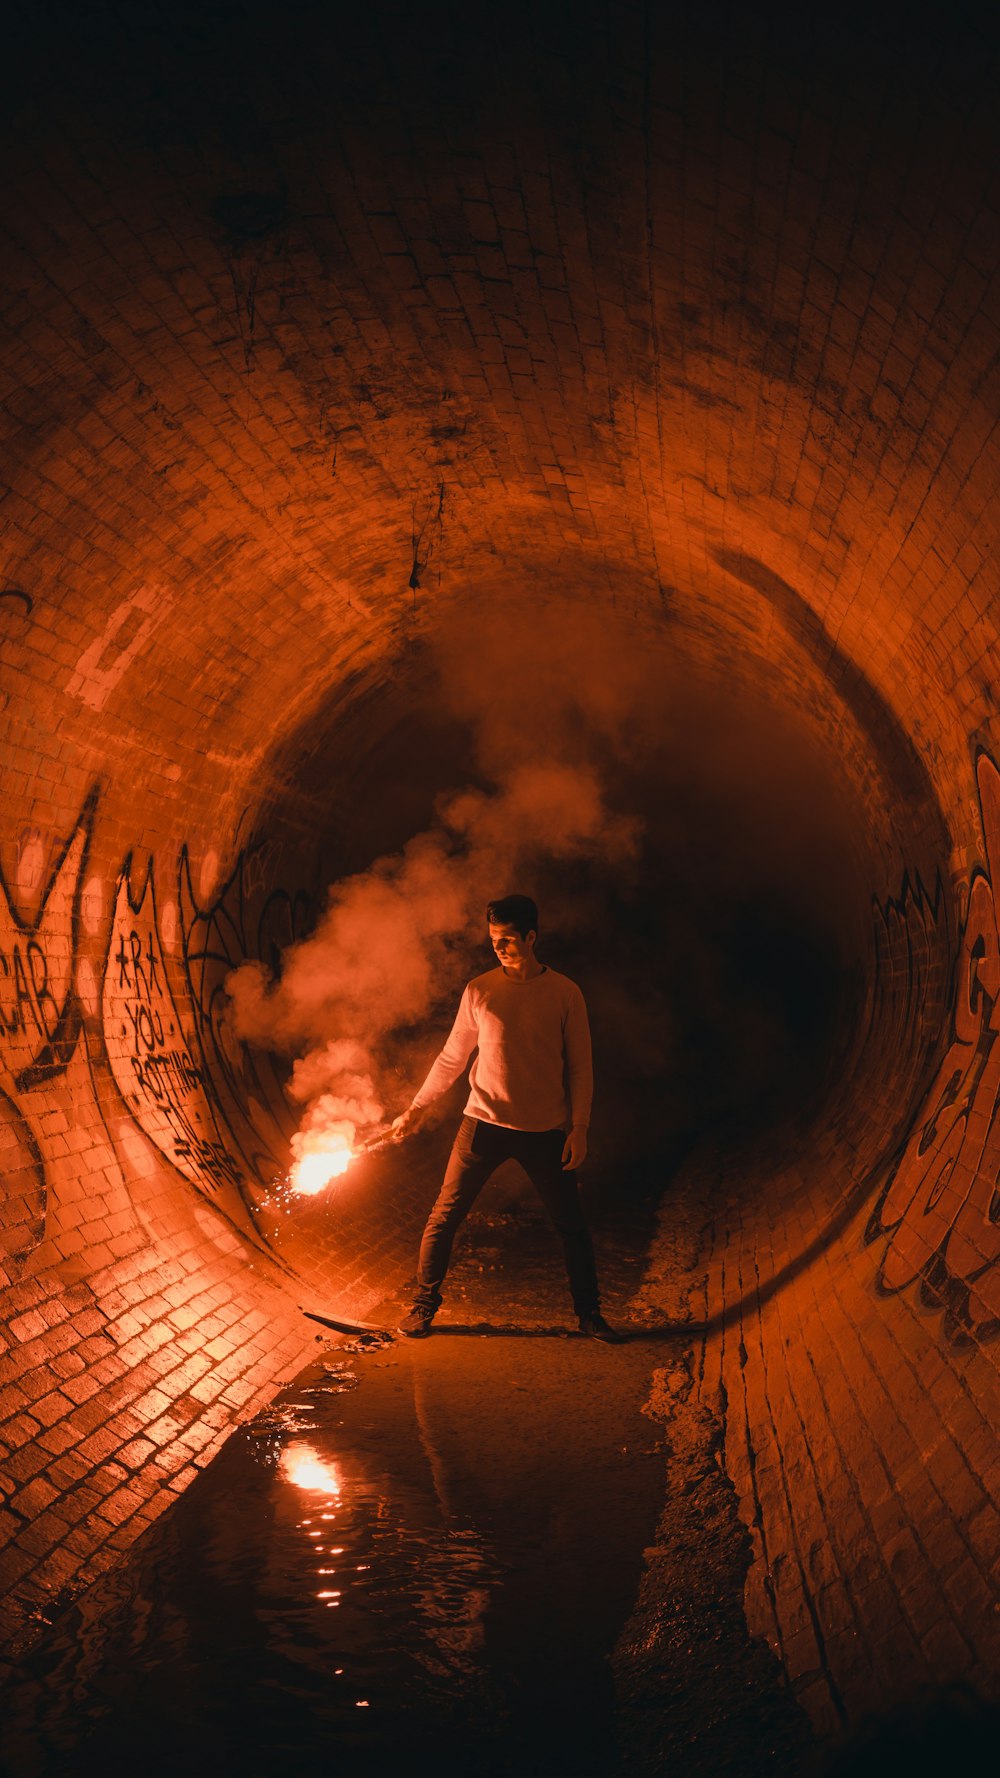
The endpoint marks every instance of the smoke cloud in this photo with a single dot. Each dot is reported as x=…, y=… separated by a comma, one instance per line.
x=396, y=941
x=574, y=715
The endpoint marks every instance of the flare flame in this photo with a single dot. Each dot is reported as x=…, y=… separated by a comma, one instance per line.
x=313, y=1170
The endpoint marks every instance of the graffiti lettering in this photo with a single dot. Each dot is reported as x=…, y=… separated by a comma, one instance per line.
x=110, y=655
x=24, y=992
x=151, y=1054
x=147, y=1026
x=167, y=1080
x=40, y=1022
x=940, y=1210
x=136, y=972
x=167, y=1077
x=39, y=1015
x=244, y=920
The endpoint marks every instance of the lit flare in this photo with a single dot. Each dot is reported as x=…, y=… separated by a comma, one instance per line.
x=322, y=1158
x=314, y=1170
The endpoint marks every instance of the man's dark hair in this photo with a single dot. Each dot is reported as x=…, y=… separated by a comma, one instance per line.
x=514, y=910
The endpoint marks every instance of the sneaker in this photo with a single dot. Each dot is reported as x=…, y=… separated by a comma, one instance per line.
x=597, y=1328
x=417, y=1324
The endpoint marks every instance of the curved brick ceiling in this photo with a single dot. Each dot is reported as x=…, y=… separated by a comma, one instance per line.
x=328, y=352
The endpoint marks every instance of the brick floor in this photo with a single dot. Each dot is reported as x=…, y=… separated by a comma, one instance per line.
x=91, y=1474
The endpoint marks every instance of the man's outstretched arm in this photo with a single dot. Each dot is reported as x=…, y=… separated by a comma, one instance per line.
x=451, y=1061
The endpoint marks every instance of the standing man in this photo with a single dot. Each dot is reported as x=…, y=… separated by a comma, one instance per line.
x=530, y=1090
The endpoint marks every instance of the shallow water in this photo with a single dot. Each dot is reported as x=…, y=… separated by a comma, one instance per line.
x=419, y=1559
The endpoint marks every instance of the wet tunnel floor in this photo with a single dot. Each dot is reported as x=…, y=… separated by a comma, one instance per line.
x=399, y=1565
x=418, y=1559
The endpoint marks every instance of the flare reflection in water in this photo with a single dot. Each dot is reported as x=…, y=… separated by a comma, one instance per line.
x=305, y=1468
x=303, y=1607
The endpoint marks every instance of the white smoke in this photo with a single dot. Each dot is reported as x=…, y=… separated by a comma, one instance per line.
x=395, y=940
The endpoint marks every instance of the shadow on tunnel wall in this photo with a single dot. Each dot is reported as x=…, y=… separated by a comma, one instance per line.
x=889, y=741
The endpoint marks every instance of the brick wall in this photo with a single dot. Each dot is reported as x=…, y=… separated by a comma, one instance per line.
x=314, y=341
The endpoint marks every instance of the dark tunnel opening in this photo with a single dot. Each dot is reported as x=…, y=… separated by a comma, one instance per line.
x=726, y=948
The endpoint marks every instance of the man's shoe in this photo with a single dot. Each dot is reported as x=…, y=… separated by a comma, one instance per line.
x=417, y=1324
x=598, y=1329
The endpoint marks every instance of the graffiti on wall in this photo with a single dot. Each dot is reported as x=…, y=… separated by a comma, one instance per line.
x=939, y=1213
x=153, y=1056
x=40, y=1018
x=908, y=999
x=107, y=659
x=244, y=919
x=39, y=1013
x=910, y=934
x=216, y=1111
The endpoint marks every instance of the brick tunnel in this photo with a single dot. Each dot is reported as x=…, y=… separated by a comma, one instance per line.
x=573, y=426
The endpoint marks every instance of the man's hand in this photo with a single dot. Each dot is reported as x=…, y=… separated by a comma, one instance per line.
x=575, y=1149
x=406, y=1123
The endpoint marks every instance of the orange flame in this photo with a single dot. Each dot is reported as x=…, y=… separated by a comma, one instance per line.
x=315, y=1169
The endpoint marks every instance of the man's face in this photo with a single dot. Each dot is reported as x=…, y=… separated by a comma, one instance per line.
x=508, y=944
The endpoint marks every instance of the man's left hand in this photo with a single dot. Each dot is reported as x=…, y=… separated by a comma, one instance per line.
x=574, y=1150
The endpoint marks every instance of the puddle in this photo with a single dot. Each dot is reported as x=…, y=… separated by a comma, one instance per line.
x=415, y=1561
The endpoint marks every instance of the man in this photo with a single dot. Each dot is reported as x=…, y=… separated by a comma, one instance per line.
x=529, y=1100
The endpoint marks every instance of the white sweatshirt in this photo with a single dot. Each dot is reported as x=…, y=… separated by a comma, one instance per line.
x=533, y=1068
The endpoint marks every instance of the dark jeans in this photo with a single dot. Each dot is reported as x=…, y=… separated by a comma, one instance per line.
x=477, y=1151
